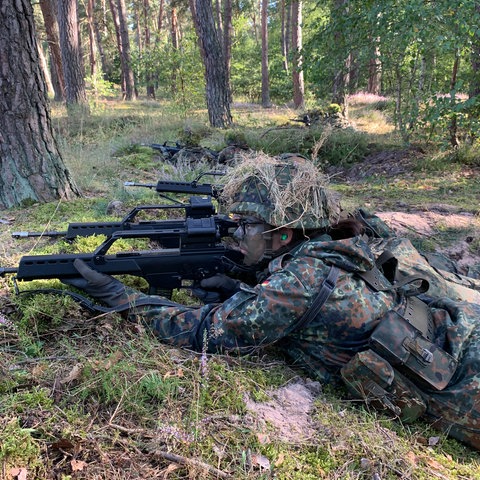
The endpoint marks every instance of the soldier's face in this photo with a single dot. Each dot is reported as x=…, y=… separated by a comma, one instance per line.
x=251, y=239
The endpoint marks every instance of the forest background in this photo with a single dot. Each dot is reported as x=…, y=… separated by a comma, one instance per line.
x=391, y=90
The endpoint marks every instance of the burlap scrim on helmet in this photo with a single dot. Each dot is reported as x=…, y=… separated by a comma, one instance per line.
x=289, y=192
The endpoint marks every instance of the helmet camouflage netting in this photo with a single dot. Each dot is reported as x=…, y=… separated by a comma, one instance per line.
x=289, y=192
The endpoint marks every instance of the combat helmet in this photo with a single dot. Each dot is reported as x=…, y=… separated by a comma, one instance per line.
x=286, y=191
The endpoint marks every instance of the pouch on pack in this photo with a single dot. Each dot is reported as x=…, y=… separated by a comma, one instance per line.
x=371, y=378
x=411, y=353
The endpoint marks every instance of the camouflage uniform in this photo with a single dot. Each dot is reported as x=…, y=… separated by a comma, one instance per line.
x=268, y=313
x=340, y=334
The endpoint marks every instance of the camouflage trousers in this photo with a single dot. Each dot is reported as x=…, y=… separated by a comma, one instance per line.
x=442, y=282
x=456, y=409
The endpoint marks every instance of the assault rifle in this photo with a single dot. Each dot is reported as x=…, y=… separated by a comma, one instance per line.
x=191, y=250
x=168, y=151
x=186, y=250
x=197, y=207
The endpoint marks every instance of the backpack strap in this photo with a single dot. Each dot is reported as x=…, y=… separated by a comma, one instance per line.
x=327, y=287
x=384, y=276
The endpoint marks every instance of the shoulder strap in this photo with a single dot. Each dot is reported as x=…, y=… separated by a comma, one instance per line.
x=94, y=307
x=327, y=287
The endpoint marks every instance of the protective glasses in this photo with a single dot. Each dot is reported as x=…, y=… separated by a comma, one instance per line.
x=247, y=224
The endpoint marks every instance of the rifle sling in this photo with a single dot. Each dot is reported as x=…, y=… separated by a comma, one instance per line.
x=95, y=308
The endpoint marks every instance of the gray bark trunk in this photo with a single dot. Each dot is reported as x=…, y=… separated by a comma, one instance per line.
x=31, y=167
x=49, y=14
x=75, y=94
x=216, y=89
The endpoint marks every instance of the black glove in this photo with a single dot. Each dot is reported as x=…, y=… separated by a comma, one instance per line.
x=216, y=289
x=98, y=285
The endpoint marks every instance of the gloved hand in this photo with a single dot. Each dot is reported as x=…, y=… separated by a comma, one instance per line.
x=98, y=285
x=216, y=289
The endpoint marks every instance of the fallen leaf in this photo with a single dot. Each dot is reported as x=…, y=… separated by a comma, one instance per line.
x=263, y=438
x=412, y=458
x=260, y=461
x=38, y=371
x=434, y=464
x=62, y=444
x=171, y=468
x=78, y=465
x=114, y=359
x=280, y=460
x=19, y=473
x=74, y=374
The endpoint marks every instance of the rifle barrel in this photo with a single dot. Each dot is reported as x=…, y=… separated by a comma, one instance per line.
x=5, y=270
x=24, y=234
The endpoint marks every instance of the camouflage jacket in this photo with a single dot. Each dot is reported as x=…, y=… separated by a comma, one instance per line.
x=269, y=312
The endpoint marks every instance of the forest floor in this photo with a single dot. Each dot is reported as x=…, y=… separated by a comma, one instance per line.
x=86, y=396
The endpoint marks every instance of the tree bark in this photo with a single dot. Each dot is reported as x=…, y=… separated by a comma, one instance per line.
x=160, y=20
x=31, y=167
x=75, y=94
x=284, y=34
x=265, y=77
x=51, y=27
x=129, y=93
x=92, y=38
x=297, y=69
x=375, y=71
x=218, y=17
x=475, y=59
x=116, y=24
x=45, y=71
x=453, y=128
x=175, y=43
x=227, y=42
x=216, y=88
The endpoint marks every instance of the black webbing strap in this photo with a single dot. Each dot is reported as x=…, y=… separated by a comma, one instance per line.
x=95, y=308
x=327, y=287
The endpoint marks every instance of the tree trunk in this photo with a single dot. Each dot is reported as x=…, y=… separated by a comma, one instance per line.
x=265, y=78
x=284, y=34
x=475, y=59
x=175, y=42
x=452, y=128
x=148, y=42
x=31, y=168
x=297, y=68
x=227, y=43
x=341, y=78
x=51, y=27
x=75, y=94
x=92, y=39
x=375, y=71
x=45, y=71
x=129, y=93
x=106, y=69
x=160, y=20
x=116, y=23
x=216, y=88
x=218, y=18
